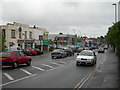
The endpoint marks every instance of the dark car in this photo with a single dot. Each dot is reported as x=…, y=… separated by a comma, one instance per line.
x=80, y=49
x=27, y=52
x=101, y=50
x=58, y=53
x=14, y=58
x=38, y=50
x=34, y=52
x=69, y=51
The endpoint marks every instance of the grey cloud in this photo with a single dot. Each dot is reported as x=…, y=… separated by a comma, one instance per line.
x=62, y=17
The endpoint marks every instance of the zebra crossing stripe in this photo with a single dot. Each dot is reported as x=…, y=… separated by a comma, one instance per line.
x=8, y=76
x=62, y=62
x=56, y=63
x=26, y=71
x=47, y=65
x=38, y=68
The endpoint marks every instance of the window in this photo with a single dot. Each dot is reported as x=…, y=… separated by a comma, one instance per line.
x=3, y=34
x=17, y=54
x=30, y=35
x=20, y=36
x=4, y=54
x=25, y=34
x=22, y=54
x=13, y=33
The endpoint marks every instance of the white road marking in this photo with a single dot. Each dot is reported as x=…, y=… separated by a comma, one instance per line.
x=8, y=76
x=26, y=71
x=38, y=68
x=17, y=80
x=55, y=63
x=62, y=62
x=47, y=65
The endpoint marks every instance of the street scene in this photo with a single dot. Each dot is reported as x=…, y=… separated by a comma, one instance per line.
x=60, y=45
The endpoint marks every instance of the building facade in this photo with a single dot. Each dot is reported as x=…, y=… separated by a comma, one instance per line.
x=61, y=39
x=18, y=34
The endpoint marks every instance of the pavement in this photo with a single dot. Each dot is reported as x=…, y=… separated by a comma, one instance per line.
x=108, y=73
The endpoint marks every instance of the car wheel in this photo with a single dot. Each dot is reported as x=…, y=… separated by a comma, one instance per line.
x=95, y=62
x=15, y=65
x=77, y=64
x=52, y=57
x=28, y=63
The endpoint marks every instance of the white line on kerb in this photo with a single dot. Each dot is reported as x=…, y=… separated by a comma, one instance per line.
x=17, y=80
x=38, y=68
x=26, y=71
x=8, y=76
x=47, y=65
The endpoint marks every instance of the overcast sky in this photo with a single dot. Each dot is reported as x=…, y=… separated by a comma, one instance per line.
x=87, y=18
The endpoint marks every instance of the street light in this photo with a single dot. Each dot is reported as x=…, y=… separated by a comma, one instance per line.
x=115, y=12
x=74, y=36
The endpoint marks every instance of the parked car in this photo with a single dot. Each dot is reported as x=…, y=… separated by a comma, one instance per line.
x=69, y=51
x=27, y=52
x=106, y=47
x=86, y=57
x=14, y=58
x=13, y=48
x=101, y=50
x=58, y=53
x=86, y=48
x=34, y=52
x=38, y=50
x=79, y=49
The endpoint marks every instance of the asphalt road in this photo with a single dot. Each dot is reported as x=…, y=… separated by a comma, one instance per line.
x=48, y=73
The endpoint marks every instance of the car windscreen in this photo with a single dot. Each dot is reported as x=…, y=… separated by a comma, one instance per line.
x=4, y=54
x=86, y=53
x=56, y=50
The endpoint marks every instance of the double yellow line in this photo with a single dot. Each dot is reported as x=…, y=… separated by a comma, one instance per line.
x=82, y=82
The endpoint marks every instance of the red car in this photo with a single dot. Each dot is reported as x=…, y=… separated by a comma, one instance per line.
x=32, y=51
x=14, y=58
x=27, y=52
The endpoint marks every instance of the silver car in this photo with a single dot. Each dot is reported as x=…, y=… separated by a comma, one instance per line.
x=86, y=57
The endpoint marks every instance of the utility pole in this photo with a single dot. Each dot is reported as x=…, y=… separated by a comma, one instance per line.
x=74, y=36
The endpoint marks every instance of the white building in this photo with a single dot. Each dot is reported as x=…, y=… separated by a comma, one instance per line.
x=18, y=34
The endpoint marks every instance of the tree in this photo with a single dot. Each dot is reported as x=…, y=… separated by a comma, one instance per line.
x=113, y=36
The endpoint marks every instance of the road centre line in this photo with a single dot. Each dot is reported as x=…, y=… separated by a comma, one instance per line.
x=26, y=71
x=82, y=82
x=38, y=68
x=17, y=80
x=8, y=76
x=47, y=65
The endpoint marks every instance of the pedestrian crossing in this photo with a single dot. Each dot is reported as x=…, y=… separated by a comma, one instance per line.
x=8, y=76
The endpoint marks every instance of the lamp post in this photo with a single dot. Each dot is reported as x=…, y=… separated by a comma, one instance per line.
x=115, y=12
x=74, y=36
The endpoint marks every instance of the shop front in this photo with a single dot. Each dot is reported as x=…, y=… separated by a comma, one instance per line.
x=26, y=43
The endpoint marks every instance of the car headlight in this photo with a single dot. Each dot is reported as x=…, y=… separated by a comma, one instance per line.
x=77, y=59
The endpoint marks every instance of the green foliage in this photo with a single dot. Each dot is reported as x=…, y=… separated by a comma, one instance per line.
x=113, y=35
